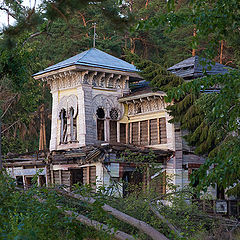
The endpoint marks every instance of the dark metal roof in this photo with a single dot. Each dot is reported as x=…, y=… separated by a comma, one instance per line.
x=195, y=67
x=93, y=58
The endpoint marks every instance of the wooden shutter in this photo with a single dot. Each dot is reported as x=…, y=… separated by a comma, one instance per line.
x=153, y=132
x=144, y=132
x=113, y=131
x=100, y=129
x=122, y=132
x=162, y=130
x=135, y=133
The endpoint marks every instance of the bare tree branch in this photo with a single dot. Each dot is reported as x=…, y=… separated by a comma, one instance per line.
x=8, y=12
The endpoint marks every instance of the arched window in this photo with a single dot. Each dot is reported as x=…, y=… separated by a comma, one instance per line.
x=100, y=124
x=63, y=130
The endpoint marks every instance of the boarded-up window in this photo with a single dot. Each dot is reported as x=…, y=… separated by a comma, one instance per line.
x=122, y=132
x=162, y=130
x=113, y=131
x=135, y=133
x=153, y=132
x=89, y=176
x=100, y=129
x=144, y=132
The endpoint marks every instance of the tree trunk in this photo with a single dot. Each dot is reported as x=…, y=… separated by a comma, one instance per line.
x=142, y=226
x=95, y=224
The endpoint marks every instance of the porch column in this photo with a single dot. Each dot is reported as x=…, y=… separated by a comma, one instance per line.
x=53, y=141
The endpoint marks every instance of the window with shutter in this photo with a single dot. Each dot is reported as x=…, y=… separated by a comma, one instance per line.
x=163, y=130
x=135, y=133
x=153, y=132
x=144, y=132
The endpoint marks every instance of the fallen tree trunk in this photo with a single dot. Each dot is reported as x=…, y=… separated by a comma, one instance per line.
x=95, y=224
x=170, y=225
x=142, y=226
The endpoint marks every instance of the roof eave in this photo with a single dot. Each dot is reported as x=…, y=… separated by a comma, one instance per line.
x=43, y=74
x=144, y=95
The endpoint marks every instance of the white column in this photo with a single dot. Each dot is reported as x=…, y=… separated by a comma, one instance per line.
x=107, y=130
x=53, y=141
x=118, y=132
x=81, y=127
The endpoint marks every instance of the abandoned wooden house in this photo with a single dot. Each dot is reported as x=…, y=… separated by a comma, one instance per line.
x=96, y=117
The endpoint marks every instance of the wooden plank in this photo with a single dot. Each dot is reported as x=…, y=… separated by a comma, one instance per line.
x=135, y=131
x=158, y=131
x=127, y=133
x=148, y=129
x=144, y=133
x=139, y=132
x=130, y=135
x=60, y=176
x=153, y=132
x=163, y=130
x=88, y=175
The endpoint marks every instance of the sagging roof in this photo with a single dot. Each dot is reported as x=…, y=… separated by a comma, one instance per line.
x=140, y=94
x=93, y=58
x=94, y=153
x=196, y=66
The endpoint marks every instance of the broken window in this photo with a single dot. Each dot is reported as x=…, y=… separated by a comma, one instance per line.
x=29, y=181
x=63, y=130
x=76, y=176
x=73, y=125
x=100, y=124
x=68, y=110
x=42, y=180
x=19, y=181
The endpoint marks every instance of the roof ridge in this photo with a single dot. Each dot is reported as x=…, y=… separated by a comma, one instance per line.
x=84, y=55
